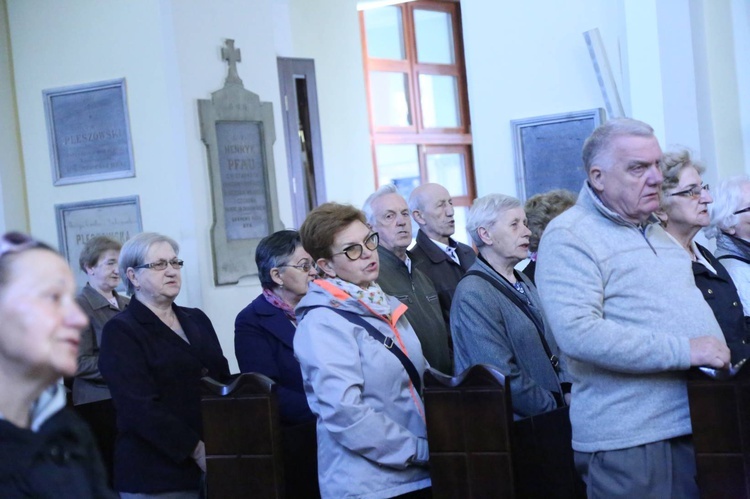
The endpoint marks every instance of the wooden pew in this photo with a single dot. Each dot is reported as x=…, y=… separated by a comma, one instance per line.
x=243, y=441
x=720, y=414
x=478, y=451
x=468, y=428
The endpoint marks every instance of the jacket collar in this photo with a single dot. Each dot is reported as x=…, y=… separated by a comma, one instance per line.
x=274, y=321
x=95, y=299
x=433, y=252
x=589, y=198
x=145, y=316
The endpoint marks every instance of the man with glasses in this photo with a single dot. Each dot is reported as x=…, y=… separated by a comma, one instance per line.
x=388, y=214
x=436, y=253
x=623, y=306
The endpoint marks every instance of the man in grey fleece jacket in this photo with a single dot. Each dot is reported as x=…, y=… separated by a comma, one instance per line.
x=624, y=309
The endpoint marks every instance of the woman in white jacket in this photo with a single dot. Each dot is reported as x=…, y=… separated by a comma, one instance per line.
x=362, y=366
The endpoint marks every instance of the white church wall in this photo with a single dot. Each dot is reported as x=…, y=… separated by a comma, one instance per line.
x=527, y=59
x=13, y=214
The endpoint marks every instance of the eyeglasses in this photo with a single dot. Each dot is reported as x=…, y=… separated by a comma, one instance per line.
x=693, y=192
x=354, y=252
x=743, y=210
x=304, y=267
x=162, y=264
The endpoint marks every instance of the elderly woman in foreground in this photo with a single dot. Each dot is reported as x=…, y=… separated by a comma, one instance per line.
x=730, y=225
x=153, y=356
x=496, y=316
x=684, y=212
x=362, y=366
x=45, y=450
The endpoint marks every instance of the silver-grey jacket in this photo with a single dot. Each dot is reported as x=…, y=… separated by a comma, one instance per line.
x=372, y=439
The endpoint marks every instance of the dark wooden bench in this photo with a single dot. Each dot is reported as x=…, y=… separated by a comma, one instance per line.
x=720, y=414
x=469, y=431
x=243, y=438
x=478, y=451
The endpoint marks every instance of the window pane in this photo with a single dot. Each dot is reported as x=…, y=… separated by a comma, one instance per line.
x=448, y=170
x=434, y=34
x=390, y=98
x=439, y=101
x=385, y=34
x=399, y=165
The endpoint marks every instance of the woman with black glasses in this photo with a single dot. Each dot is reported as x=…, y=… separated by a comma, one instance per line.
x=263, y=343
x=362, y=366
x=684, y=212
x=153, y=356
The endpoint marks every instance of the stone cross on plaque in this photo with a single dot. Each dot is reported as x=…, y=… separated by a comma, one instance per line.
x=239, y=133
x=232, y=56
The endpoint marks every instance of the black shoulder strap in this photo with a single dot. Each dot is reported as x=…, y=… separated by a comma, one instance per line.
x=385, y=340
x=722, y=257
x=525, y=309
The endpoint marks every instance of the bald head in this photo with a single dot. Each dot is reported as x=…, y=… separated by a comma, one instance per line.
x=432, y=208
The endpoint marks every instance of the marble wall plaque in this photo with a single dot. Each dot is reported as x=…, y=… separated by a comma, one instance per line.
x=243, y=178
x=548, y=151
x=238, y=131
x=89, y=133
x=118, y=218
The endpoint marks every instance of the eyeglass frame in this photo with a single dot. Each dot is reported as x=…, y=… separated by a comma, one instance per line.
x=155, y=265
x=690, y=193
x=309, y=266
x=361, y=247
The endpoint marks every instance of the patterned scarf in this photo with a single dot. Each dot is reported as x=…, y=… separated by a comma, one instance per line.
x=373, y=296
x=277, y=302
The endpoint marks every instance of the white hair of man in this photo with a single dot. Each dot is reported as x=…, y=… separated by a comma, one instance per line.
x=598, y=146
x=382, y=191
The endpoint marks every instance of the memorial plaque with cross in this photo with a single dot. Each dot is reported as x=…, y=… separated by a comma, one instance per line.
x=238, y=131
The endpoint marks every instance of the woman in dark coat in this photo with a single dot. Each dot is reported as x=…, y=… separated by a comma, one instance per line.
x=45, y=450
x=684, y=212
x=153, y=356
x=263, y=336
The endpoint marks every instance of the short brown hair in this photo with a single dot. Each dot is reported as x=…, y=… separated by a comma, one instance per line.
x=94, y=249
x=542, y=208
x=323, y=223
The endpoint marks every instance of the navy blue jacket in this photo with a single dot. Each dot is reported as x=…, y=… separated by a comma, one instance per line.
x=721, y=295
x=263, y=337
x=154, y=377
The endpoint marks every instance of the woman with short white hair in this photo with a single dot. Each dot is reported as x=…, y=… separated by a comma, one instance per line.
x=496, y=316
x=730, y=225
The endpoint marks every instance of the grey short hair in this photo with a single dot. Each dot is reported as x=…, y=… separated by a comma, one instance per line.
x=133, y=253
x=484, y=212
x=382, y=191
x=727, y=198
x=597, y=147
